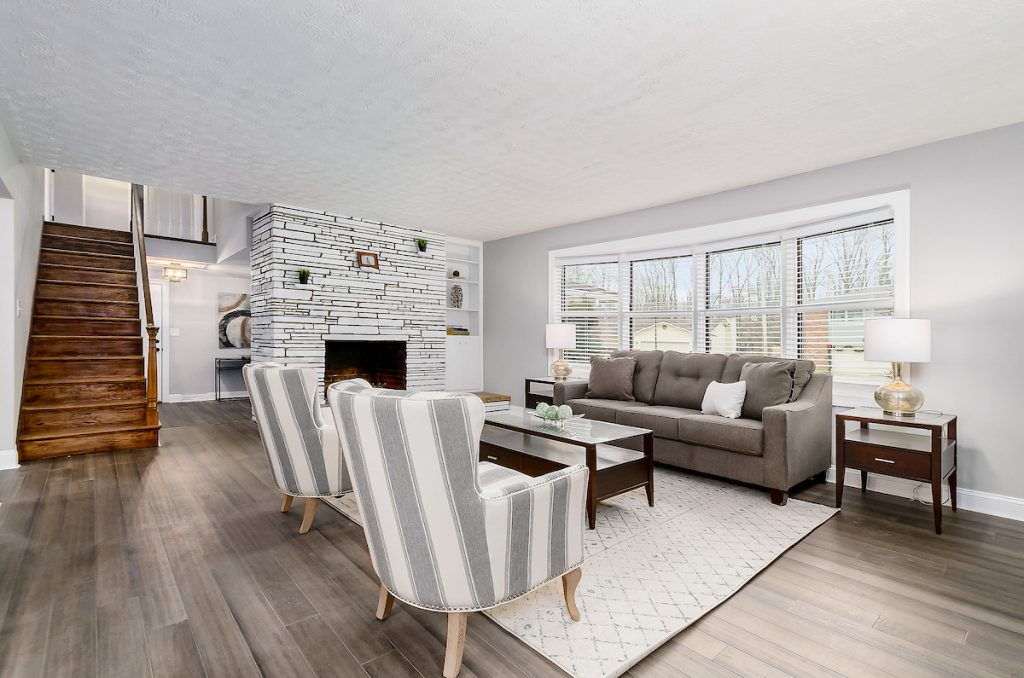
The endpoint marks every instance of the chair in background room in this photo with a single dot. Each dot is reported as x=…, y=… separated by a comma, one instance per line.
x=303, y=448
x=447, y=532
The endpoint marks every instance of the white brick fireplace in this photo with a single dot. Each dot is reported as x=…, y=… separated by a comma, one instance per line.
x=402, y=301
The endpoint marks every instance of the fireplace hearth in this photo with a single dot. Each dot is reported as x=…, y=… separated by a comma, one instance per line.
x=382, y=363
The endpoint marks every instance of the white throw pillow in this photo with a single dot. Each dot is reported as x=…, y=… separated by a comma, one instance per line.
x=724, y=399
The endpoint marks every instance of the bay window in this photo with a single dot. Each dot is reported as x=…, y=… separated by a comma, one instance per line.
x=799, y=293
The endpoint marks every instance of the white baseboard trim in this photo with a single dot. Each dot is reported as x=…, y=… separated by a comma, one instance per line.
x=993, y=504
x=8, y=460
x=969, y=500
x=200, y=397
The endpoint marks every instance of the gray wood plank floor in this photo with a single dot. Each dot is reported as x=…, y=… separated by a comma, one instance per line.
x=176, y=562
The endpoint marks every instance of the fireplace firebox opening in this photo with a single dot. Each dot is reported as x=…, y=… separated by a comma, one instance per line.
x=382, y=363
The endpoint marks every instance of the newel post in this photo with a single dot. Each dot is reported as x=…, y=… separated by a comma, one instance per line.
x=152, y=416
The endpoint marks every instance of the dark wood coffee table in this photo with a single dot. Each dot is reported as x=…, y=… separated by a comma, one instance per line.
x=525, y=443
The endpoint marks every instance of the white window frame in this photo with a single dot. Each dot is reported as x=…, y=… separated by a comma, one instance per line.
x=787, y=227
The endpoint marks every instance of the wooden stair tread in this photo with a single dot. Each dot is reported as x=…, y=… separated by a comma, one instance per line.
x=87, y=268
x=87, y=404
x=57, y=250
x=79, y=358
x=95, y=229
x=84, y=318
x=59, y=381
x=84, y=301
x=78, y=431
x=122, y=243
x=90, y=337
x=85, y=283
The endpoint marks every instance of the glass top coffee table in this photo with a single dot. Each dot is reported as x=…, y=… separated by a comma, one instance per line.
x=525, y=443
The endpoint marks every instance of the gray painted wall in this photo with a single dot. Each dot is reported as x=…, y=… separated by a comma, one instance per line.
x=192, y=308
x=967, y=276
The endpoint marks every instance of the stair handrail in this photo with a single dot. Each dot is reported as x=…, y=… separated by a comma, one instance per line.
x=138, y=228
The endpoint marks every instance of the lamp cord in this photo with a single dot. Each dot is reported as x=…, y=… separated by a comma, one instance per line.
x=917, y=488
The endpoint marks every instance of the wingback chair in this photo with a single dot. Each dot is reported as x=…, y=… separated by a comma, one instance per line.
x=303, y=448
x=447, y=532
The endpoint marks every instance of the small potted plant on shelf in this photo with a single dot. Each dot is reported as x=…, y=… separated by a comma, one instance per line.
x=421, y=245
x=303, y=276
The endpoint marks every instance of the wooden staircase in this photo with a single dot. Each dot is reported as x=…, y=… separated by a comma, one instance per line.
x=85, y=384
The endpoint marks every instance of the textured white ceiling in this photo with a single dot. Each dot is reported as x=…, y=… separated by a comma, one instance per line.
x=489, y=118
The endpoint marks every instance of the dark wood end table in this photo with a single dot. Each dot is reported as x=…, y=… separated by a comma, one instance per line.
x=533, y=399
x=927, y=458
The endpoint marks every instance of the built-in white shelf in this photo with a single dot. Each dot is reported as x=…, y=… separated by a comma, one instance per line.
x=464, y=353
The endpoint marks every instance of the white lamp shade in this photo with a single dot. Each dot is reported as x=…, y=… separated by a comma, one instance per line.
x=560, y=335
x=898, y=340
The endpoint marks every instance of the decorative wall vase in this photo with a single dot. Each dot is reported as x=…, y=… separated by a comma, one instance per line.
x=456, y=296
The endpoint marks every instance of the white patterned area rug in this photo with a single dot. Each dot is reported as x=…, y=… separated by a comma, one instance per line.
x=651, y=572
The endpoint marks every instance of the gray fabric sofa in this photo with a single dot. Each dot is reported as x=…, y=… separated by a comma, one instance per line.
x=789, y=444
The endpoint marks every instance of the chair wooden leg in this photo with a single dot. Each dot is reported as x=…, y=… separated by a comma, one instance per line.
x=384, y=603
x=456, y=643
x=308, y=514
x=779, y=497
x=570, y=580
x=287, y=503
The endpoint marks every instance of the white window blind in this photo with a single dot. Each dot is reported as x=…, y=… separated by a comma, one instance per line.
x=743, y=294
x=841, y=278
x=804, y=294
x=661, y=304
x=589, y=298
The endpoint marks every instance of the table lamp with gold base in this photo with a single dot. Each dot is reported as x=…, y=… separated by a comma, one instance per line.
x=898, y=340
x=560, y=336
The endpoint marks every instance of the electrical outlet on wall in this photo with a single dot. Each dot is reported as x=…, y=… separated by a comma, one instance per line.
x=175, y=331
x=17, y=308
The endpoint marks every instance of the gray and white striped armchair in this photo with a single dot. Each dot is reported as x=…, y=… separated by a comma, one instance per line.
x=447, y=532
x=303, y=449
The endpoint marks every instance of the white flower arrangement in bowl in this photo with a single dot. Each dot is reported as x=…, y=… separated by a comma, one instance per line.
x=556, y=415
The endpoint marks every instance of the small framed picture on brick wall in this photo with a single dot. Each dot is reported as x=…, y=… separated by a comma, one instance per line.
x=367, y=260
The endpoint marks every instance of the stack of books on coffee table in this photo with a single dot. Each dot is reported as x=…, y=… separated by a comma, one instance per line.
x=494, y=402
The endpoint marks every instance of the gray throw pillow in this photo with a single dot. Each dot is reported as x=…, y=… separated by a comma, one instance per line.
x=802, y=371
x=768, y=384
x=612, y=378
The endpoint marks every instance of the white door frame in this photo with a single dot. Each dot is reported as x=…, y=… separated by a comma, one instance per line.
x=163, y=316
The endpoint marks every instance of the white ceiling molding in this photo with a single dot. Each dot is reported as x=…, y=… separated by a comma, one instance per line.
x=489, y=119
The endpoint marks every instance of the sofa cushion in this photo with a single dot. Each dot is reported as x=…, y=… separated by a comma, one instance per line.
x=801, y=373
x=648, y=364
x=611, y=378
x=725, y=400
x=664, y=421
x=768, y=384
x=602, y=410
x=685, y=376
x=735, y=435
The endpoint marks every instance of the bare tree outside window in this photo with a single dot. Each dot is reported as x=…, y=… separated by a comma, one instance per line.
x=847, y=275
x=744, y=278
x=661, y=304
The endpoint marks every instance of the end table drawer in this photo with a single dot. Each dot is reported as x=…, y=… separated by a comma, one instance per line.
x=889, y=462
x=501, y=457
